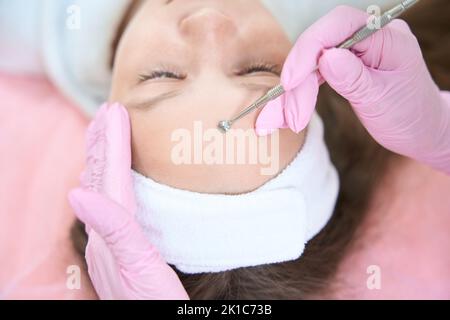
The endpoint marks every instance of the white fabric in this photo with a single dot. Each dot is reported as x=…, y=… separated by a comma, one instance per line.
x=20, y=37
x=297, y=15
x=78, y=60
x=37, y=37
x=34, y=38
x=200, y=233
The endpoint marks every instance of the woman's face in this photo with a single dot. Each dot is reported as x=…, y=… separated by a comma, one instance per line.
x=189, y=64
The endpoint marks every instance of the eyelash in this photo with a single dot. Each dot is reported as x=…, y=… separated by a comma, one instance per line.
x=253, y=68
x=160, y=74
x=259, y=67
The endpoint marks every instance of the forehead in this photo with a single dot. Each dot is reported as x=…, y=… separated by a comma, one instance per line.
x=155, y=26
x=246, y=13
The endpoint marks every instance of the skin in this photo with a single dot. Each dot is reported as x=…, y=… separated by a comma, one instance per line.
x=199, y=60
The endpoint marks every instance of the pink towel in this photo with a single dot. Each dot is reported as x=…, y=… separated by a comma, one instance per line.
x=41, y=156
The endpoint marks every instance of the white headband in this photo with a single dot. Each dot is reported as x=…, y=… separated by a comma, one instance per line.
x=200, y=233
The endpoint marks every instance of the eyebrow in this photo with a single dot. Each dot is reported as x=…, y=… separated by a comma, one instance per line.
x=152, y=101
x=255, y=87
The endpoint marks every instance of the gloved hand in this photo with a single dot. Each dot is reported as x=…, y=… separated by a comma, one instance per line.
x=122, y=264
x=384, y=78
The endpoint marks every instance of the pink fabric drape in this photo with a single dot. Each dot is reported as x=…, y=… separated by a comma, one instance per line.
x=41, y=156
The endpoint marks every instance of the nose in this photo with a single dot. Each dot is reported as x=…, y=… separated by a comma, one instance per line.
x=207, y=26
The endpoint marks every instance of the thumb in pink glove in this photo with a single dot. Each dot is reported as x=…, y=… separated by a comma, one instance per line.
x=384, y=78
x=122, y=264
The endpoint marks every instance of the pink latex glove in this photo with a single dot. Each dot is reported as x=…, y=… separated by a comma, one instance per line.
x=384, y=78
x=122, y=264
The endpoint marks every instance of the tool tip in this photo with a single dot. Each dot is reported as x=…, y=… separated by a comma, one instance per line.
x=224, y=126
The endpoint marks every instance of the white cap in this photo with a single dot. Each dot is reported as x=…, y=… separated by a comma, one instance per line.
x=77, y=41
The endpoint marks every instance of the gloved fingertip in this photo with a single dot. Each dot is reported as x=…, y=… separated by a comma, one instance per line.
x=264, y=132
x=97, y=211
x=338, y=65
x=286, y=79
x=117, y=107
x=78, y=198
x=301, y=103
x=103, y=108
x=74, y=195
x=75, y=199
x=299, y=127
x=296, y=124
x=271, y=118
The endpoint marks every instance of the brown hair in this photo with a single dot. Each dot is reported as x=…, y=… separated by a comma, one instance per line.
x=360, y=162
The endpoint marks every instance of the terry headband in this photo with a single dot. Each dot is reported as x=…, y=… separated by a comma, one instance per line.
x=200, y=233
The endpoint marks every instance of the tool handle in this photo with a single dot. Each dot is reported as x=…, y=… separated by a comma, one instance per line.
x=384, y=20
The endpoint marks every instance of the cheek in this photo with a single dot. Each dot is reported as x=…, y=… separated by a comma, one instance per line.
x=154, y=129
x=156, y=132
x=151, y=140
x=153, y=153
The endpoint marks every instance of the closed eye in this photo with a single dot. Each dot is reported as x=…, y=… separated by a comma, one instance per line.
x=260, y=68
x=251, y=69
x=162, y=75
